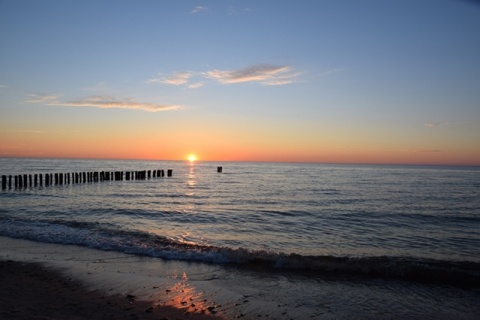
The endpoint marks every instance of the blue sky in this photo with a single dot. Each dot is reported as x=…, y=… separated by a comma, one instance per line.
x=327, y=81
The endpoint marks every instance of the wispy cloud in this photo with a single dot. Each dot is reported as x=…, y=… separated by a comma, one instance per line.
x=177, y=78
x=447, y=123
x=263, y=73
x=2, y=86
x=103, y=102
x=49, y=99
x=195, y=85
x=199, y=9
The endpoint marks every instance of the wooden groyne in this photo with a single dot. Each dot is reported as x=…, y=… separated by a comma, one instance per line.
x=22, y=181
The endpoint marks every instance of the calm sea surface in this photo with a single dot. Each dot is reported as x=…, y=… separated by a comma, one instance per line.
x=405, y=223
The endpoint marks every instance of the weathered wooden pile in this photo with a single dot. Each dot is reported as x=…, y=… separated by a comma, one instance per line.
x=49, y=179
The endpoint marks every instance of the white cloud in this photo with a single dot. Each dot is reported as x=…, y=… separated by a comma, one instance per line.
x=263, y=73
x=199, y=9
x=177, y=78
x=104, y=102
x=196, y=85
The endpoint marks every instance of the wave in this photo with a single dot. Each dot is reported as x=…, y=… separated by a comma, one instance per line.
x=107, y=237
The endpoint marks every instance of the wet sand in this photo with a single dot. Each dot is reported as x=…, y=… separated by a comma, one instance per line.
x=33, y=291
x=50, y=281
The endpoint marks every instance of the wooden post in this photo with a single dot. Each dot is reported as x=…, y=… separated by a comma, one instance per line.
x=84, y=176
x=40, y=178
x=30, y=180
x=60, y=178
x=25, y=180
x=10, y=182
x=4, y=182
x=169, y=172
x=20, y=182
x=35, y=180
x=219, y=169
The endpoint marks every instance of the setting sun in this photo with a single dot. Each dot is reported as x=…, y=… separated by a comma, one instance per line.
x=192, y=157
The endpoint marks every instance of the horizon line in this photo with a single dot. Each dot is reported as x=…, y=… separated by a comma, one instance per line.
x=247, y=161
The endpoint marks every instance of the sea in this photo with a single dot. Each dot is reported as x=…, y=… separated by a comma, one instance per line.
x=276, y=240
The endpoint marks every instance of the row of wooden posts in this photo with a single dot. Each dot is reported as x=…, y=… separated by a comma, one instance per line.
x=26, y=180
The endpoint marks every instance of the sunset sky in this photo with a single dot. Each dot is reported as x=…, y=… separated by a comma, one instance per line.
x=309, y=81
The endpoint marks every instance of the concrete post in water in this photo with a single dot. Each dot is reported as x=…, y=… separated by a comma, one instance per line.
x=219, y=169
x=4, y=182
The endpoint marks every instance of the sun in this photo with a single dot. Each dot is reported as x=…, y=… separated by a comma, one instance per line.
x=192, y=158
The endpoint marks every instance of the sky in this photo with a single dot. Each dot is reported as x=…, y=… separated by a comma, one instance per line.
x=372, y=81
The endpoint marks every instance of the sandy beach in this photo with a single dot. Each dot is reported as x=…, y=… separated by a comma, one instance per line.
x=49, y=290
x=32, y=291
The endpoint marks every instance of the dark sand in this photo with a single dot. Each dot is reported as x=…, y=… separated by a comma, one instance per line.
x=32, y=291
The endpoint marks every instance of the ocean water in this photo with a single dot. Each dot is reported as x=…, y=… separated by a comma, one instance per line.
x=323, y=240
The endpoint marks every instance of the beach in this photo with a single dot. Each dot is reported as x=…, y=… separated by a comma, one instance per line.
x=37, y=285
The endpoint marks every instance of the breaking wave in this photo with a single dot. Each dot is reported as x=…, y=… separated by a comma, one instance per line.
x=104, y=237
